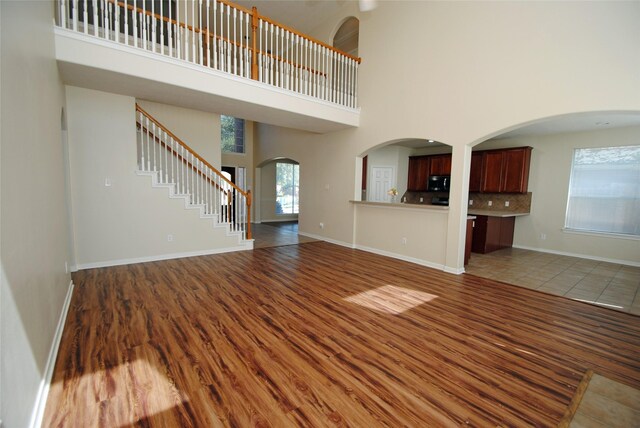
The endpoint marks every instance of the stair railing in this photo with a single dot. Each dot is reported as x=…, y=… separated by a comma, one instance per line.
x=223, y=36
x=177, y=164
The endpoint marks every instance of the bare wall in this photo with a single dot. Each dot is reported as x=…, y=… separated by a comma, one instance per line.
x=33, y=225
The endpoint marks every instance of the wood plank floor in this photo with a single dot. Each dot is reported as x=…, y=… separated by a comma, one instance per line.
x=321, y=335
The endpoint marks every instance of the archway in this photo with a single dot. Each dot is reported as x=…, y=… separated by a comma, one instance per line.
x=346, y=37
x=547, y=232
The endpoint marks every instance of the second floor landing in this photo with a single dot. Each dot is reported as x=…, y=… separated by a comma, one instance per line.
x=216, y=57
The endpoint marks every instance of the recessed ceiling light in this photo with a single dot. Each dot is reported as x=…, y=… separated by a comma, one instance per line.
x=430, y=141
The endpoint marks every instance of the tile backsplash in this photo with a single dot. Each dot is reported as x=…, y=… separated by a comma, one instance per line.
x=518, y=202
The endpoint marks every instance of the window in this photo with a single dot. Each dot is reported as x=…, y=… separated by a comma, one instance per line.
x=604, y=191
x=287, y=188
x=232, y=134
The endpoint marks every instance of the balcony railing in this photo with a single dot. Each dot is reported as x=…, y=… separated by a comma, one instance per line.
x=221, y=36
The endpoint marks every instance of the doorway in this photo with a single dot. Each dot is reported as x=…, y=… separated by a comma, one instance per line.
x=382, y=179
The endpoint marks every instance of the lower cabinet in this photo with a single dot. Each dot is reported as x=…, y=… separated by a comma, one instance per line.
x=492, y=233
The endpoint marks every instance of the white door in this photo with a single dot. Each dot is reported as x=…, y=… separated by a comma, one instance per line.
x=382, y=179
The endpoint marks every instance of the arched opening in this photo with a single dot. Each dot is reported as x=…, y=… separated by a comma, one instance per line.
x=400, y=170
x=346, y=38
x=277, y=202
x=577, y=216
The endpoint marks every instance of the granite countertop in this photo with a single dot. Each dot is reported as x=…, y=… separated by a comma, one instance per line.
x=496, y=213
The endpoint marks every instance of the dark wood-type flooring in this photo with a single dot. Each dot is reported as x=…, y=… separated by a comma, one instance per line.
x=321, y=335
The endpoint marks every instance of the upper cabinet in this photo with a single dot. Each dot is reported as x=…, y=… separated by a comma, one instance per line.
x=475, y=176
x=419, y=167
x=440, y=165
x=501, y=171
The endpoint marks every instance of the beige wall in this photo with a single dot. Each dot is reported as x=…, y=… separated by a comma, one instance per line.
x=198, y=129
x=33, y=225
x=549, y=175
x=481, y=68
x=128, y=220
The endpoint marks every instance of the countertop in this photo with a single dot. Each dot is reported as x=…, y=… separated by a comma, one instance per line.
x=403, y=205
x=496, y=213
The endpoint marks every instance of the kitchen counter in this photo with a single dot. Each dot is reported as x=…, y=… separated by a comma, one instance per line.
x=403, y=205
x=497, y=213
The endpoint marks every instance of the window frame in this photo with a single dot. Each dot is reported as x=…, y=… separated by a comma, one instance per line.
x=572, y=178
x=235, y=130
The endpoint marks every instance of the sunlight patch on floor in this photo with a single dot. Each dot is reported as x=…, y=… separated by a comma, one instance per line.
x=391, y=299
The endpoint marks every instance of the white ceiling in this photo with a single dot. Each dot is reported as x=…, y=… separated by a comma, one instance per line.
x=301, y=15
x=575, y=123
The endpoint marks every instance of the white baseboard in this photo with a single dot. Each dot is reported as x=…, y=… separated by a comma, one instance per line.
x=402, y=257
x=248, y=245
x=582, y=256
x=329, y=240
x=45, y=383
x=455, y=271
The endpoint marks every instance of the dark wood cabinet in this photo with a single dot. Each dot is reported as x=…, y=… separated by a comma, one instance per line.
x=492, y=171
x=503, y=170
x=418, y=173
x=492, y=233
x=440, y=165
x=475, y=175
x=421, y=167
x=468, y=241
x=515, y=170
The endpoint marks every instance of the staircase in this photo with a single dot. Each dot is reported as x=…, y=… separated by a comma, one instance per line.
x=172, y=164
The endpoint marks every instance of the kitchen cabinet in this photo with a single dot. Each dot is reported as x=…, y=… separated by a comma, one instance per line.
x=505, y=170
x=475, y=175
x=492, y=233
x=440, y=165
x=419, y=167
x=469, y=240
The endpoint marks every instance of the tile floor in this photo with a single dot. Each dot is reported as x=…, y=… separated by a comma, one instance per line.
x=607, y=403
x=607, y=284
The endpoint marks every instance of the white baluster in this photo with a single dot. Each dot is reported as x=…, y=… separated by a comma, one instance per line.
x=193, y=32
x=228, y=48
x=208, y=35
x=235, y=46
x=74, y=14
x=134, y=18
x=126, y=22
x=242, y=45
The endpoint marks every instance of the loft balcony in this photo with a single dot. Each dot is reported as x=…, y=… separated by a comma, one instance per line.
x=209, y=55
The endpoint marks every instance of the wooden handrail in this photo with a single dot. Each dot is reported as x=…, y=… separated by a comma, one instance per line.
x=247, y=194
x=190, y=150
x=181, y=158
x=255, y=16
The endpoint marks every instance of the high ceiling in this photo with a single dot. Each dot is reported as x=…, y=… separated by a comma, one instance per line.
x=301, y=15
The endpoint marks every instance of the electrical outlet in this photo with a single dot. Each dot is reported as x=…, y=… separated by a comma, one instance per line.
x=169, y=238
x=404, y=241
x=321, y=225
x=66, y=267
x=107, y=182
x=470, y=201
x=490, y=203
x=543, y=236
x=506, y=203
x=421, y=199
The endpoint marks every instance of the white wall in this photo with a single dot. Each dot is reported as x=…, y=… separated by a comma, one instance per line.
x=128, y=220
x=34, y=245
x=549, y=175
x=459, y=73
